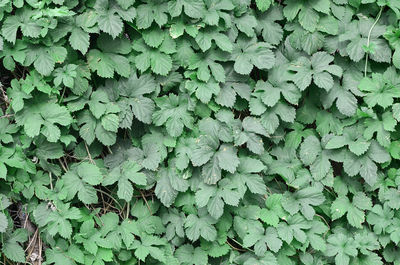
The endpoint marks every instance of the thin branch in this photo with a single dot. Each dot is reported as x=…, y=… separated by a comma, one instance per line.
x=6, y=116
x=51, y=181
x=88, y=152
x=237, y=242
x=62, y=165
x=127, y=211
x=144, y=198
x=32, y=240
x=109, y=149
x=320, y=216
x=105, y=193
x=233, y=247
x=368, y=39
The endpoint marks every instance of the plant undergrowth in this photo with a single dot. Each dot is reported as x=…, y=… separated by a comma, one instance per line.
x=200, y=132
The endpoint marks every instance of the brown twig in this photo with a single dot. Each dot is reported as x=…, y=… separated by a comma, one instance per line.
x=233, y=247
x=40, y=250
x=109, y=149
x=144, y=198
x=88, y=152
x=6, y=116
x=65, y=161
x=105, y=193
x=62, y=165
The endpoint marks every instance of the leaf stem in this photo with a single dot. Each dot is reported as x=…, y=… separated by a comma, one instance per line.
x=51, y=181
x=62, y=96
x=111, y=197
x=3, y=211
x=62, y=165
x=89, y=155
x=147, y=204
x=237, y=242
x=133, y=26
x=368, y=39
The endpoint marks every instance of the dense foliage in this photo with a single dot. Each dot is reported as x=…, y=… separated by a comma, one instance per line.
x=200, y=132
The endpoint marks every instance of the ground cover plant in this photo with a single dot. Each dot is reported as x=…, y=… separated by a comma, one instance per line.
x=200, y=132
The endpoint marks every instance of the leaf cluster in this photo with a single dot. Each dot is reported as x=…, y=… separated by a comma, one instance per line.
x=200, y=132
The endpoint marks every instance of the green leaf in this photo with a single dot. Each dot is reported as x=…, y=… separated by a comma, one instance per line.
x=187, y=254
x=13, y=251
x=89, y=173
x=203, y=91
x=263, y=5
x=42, y=118
x=248, y=52
x=378, y=91
x=342, y=247
x=227, y=158
x=59, y=221
x=346, y=102
x=173, y=112
x=309, y=149
x=273, y=211
x=303, y=200
x=355, y=214
x=158, y=60
x=3, y=222
x=44, y=58
x=192, y=8
x=111, y=24
x=168, y=185
x=318, y=69
x=262, y=240
x=110, y=59
x=215, y=198
x=75, y=185
x=79, y=40
x=196, y=226
x=126, y=173
x=23, y=20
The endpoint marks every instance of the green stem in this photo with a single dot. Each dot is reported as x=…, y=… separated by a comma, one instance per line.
x=3, y=210
x=237, y=242
x=62, y=95
x=369, y=37
x=127, y=211
x=133, y=26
